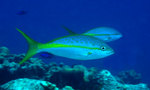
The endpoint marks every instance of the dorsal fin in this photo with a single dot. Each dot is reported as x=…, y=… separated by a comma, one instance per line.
x=69, y=31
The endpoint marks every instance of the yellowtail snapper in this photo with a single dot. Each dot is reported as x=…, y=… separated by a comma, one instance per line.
x=106, y=34
x=79, y=47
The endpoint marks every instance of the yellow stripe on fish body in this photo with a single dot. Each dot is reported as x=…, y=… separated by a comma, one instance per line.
x=79, y=47
x=106, y=34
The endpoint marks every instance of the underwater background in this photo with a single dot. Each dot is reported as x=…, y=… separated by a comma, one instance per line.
x=43, y=20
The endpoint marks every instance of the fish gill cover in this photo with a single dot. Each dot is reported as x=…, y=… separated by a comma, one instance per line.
x=43, y=21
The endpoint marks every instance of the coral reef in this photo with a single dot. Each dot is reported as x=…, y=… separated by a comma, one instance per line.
x=31, y=84
x=130, y=77
x=109, y=82
x=36, y=74
x=76, y=76
x=10, y=69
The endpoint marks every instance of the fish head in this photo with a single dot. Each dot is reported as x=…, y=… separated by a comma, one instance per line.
x=104, y=50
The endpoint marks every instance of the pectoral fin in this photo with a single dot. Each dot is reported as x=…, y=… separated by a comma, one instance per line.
x=86, y=54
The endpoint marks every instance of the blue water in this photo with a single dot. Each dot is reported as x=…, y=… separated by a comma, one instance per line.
x=43, y=19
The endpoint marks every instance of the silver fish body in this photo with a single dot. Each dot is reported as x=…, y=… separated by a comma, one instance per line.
x=106, y=34
x=79, y=47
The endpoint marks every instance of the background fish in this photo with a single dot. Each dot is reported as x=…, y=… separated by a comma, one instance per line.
x=22, y=12
x=46, y=55
x=106, y=34
x=79, y=47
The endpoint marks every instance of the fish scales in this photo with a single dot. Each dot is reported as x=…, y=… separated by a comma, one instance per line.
x=79, y=47
x=78, y=40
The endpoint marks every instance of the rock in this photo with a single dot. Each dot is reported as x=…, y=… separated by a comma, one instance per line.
x=4, y=50
x=10, y=69
x=28, y=84
x=67, y=88
x=130, y=77
x=31, y=84
x=109, y=82
x=66, y=77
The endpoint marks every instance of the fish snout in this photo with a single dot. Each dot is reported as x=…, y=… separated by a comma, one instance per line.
x=111, y=52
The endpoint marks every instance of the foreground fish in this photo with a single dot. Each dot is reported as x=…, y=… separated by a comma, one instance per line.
x=106, y=34
x=80, y=47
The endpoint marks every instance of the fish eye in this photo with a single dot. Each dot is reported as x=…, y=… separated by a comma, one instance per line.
x=103, y=48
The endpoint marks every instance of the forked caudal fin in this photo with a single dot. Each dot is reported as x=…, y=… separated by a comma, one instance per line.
x=33, y=47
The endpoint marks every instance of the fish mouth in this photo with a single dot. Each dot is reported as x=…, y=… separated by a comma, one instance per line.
x=119, y=35
x=111, y=52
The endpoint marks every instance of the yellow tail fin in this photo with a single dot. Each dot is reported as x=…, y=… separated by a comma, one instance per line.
x=33, y=47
